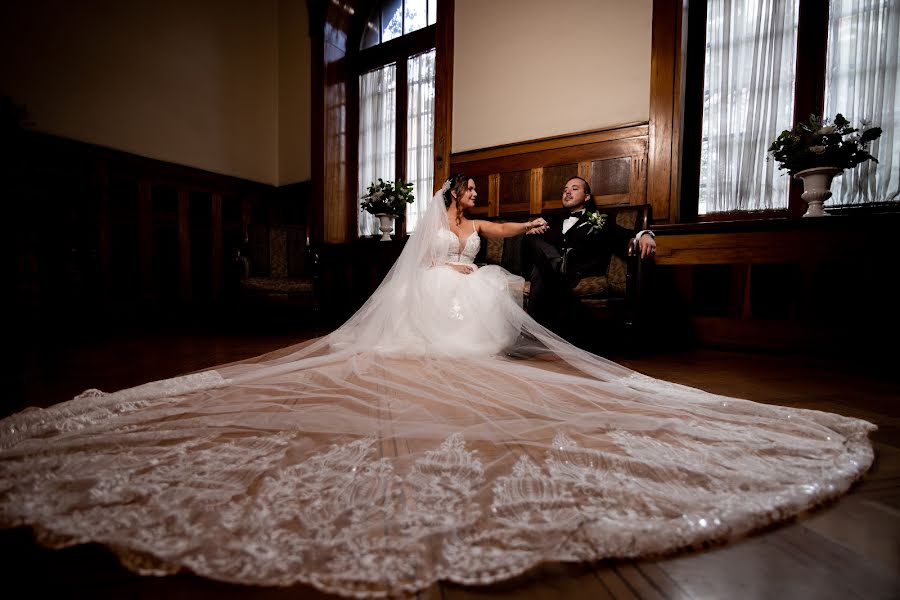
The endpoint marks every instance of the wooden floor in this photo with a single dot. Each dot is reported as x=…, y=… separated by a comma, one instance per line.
x=848, y=549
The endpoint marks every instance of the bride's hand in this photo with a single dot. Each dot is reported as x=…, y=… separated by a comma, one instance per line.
x=537, y=226
x=464, y=269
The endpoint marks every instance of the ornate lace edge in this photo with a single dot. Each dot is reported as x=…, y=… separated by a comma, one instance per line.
x=146, y=564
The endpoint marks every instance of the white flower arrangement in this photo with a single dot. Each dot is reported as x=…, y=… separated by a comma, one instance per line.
x=596, y=219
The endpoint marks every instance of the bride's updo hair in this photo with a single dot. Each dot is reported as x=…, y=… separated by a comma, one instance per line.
x=459, y=183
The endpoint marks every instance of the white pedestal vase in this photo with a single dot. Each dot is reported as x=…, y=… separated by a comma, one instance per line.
x=387, y=224
x=817, y=188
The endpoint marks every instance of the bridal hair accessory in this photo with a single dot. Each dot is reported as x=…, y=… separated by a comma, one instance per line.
x=446, y=185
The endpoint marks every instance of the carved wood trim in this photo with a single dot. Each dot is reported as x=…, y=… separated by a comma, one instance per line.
x=584, y=169
x=613, y=199
x=551, y=143
x=633, y=147
x=493, y=206
x=537, y=185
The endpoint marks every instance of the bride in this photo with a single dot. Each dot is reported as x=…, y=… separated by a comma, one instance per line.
x=408, y=446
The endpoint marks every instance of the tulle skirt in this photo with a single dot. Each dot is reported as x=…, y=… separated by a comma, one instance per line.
x=445, y=312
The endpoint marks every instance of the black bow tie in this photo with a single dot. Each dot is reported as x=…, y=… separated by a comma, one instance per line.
x=577, y=213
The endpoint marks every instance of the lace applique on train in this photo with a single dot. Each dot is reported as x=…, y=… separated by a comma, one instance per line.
x=349, y=520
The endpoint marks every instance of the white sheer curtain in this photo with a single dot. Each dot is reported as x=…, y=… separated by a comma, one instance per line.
x=748, y=101
x=377, y=134
x=420, y=134
x=861, y=84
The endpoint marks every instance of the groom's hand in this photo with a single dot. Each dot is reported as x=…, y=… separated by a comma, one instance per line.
x=647, y=245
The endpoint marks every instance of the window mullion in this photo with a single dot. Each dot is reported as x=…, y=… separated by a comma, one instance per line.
x=809, y=80
x=402, y=121
x=692, y=124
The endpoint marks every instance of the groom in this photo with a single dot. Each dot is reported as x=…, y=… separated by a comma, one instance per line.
x=570, y=249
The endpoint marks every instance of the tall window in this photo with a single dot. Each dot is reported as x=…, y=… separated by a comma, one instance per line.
x=747, y=100
x=750, y=78
x=396, y=103
x=861, y=83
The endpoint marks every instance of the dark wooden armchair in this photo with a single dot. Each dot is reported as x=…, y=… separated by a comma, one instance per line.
x=279, y=267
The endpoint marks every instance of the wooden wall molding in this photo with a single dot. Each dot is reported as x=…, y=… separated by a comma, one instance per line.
x=551, y=143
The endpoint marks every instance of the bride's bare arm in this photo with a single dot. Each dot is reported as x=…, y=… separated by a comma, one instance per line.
x=505, y=230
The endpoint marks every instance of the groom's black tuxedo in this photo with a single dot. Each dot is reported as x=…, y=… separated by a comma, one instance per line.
x=559, y=259
x=585, y=248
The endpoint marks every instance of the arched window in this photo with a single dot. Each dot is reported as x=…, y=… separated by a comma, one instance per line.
x=396, y=71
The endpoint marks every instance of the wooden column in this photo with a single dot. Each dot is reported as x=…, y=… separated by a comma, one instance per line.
x=443, y=92
x=493, y=194
x=662, y=167
x=536, y=204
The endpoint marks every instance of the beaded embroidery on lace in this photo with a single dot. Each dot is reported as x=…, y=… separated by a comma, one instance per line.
x=347, y=521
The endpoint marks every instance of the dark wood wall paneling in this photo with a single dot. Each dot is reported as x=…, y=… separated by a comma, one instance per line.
x=806, y=285
x=529, y=177
x=99, y=234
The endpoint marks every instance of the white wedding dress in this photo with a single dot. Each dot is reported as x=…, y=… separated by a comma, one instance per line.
x=408, y=447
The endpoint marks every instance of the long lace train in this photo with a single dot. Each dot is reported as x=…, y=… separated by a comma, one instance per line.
x=359, y=476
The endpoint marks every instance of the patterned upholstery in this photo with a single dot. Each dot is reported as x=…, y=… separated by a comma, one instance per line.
x=278, y=286
x=616, y=273
x=278, y=255
x=592, y=286
x=494, y=251
x=277, y=265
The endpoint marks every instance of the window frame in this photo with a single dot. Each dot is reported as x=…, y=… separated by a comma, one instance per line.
x=336, y=32
x=396, y=51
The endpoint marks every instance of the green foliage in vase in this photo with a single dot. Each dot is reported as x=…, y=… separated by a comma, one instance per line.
x=822, y=142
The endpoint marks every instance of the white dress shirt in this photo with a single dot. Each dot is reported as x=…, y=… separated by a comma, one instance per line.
x=570, y=221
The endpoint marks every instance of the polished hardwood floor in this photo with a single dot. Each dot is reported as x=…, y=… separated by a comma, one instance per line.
x=847, y=549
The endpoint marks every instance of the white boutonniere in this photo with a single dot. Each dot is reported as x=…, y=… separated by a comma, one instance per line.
x=596, y=219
